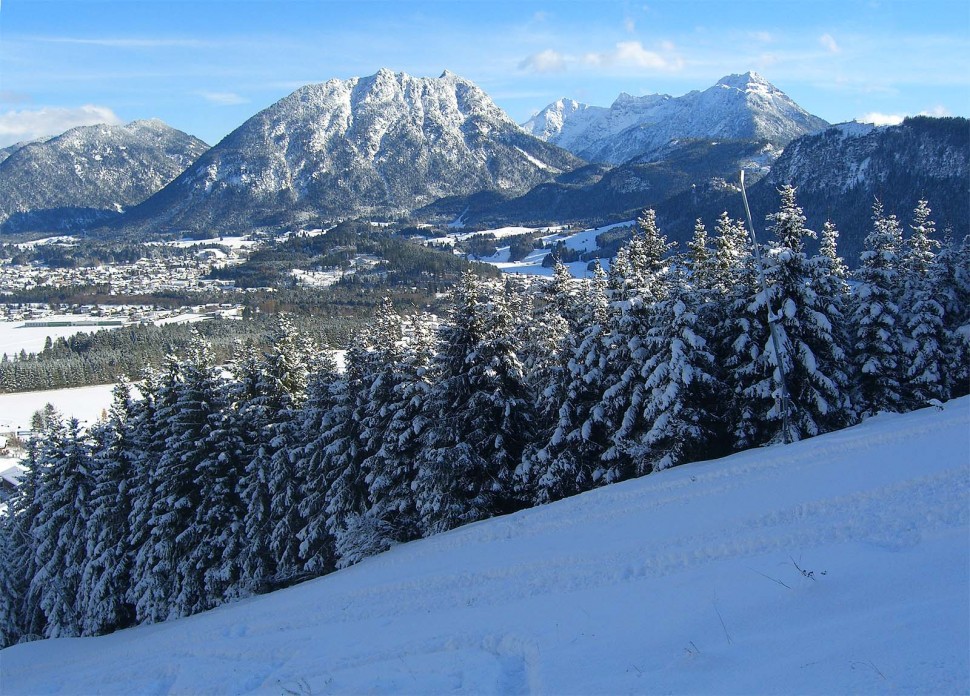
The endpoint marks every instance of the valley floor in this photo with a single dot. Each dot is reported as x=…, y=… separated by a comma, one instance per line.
x=836, y=565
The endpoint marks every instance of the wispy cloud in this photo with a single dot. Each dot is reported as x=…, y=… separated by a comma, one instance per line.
x=16, y=126
x=548, y=61
x=829, y=42
x=223, y=98
x=624, y=55
x=632, y=54
x=127, y=42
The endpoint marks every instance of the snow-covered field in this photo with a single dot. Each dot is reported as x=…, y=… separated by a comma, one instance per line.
x=835, y=565
x=14, y=336
x=532, y=264
x=84, y=403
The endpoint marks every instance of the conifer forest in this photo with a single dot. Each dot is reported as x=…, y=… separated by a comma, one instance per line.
x=211, y=481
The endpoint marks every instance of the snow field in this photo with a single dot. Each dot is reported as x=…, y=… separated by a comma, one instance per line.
x=84, y=403
x=682, y=581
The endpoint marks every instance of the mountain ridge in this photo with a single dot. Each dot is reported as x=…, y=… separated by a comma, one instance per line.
x=744, y=106
x=377, y=145
x=90, y=173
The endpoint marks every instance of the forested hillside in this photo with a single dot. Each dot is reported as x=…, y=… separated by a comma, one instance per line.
x=216, y=485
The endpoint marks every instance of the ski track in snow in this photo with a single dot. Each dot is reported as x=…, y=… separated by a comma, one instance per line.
x=684, y=580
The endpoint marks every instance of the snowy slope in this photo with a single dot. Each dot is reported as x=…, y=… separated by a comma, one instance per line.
x=683, y=581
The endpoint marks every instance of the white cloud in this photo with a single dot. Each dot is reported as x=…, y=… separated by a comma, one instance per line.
x=828, y=41
x=938, y=111
x=16, y=126
x=223, y=98
x=632, y=54
x=544, y=62
x=878, y=119
x=629, y=25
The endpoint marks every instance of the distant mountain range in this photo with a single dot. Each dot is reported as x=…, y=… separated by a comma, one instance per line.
x=739, y=107
x=439, y=150
x=90, y=174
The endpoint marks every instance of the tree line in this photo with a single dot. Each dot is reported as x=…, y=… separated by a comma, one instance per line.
x=215, y=484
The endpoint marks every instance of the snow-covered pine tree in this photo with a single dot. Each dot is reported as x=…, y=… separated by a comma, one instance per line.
x=147, y=591
x=371, y=378
x=952, y=288
x=393, y=431
x=169, y=583
x=58, y=531
x=323, y=422
x=681, y=406
x=619, y=409
x=107, y=569
x=480, y=413
x=924, y=340
x=569, y=462
x=813, y=360
x=549, y=327
x=741, y=330
x=271, y=392
x=699, y=260
x=391, y=422
x=877, y=345
x=732, y=257
x=203, y=503
x=292, y=478
x=345, y=449
x=11, y=580
x=828, y=275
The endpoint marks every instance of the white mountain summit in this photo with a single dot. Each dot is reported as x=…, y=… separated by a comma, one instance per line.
x=382, y=144
x=738, y=107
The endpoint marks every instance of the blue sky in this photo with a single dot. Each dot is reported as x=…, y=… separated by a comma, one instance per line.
x=206, y=66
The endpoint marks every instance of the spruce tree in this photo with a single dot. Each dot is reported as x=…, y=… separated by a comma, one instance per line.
x=107, y=569
x=682, y=404
x=813, y=360
x=877, y=345
x=479, y=412
x=64, y=509
x=569, y=462
x=925, y=338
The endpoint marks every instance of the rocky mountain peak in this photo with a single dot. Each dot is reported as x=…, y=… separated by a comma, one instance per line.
x=737, y=107
x=382, y=144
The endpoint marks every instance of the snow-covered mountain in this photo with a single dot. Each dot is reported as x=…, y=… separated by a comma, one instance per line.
x=834, y=565
x=738, y=107
x=90, y=173
x=383, y=144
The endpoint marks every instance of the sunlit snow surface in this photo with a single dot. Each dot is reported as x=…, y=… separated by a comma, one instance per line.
x=584, y=241
x=680, y=582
